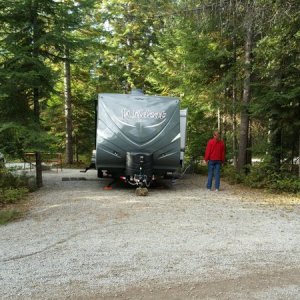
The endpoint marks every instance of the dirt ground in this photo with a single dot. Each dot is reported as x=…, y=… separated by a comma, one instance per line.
x=80, y=241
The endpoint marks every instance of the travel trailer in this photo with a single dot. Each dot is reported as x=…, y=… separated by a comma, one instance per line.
x=139, y=137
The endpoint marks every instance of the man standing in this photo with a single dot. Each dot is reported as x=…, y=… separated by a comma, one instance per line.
x=214, y=156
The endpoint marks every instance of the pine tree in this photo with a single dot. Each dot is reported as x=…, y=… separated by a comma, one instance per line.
x=27, y=80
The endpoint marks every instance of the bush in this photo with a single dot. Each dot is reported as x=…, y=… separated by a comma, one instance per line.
x=13, y=188
x=10, y=180
x=12, y=195
x=258, y=176
x=263, y=176
x=289, y=185
x=194, y=166
x=232, y=176
x=200, y=169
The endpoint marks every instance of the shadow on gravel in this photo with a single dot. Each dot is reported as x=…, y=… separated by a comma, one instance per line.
x=119, y=184
x=73, y=178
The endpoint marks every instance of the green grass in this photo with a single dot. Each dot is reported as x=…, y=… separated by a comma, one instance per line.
x=7, y=216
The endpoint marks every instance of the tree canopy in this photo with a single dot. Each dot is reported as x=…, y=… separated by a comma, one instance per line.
x=234, y=64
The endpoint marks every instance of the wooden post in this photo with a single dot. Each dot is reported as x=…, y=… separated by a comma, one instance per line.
x=38, y=166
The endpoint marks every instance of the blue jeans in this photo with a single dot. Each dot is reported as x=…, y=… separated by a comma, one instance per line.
x=214, y=168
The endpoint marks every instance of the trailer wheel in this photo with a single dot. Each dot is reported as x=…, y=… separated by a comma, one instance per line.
x=99, y=173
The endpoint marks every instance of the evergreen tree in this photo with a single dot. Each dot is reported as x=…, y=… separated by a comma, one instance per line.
x=277, y=91
x=128, y=31
x=27, y=80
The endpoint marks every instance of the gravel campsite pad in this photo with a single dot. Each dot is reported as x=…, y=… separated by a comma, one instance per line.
x=79, y=241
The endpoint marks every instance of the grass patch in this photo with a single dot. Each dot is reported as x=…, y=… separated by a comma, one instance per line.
x=9, y=215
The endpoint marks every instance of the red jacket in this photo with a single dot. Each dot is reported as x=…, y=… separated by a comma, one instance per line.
x=215, y=150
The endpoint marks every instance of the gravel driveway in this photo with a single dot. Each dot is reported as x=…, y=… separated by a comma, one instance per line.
x=79, y=241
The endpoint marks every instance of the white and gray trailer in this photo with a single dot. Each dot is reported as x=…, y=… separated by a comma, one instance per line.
x=139, y=137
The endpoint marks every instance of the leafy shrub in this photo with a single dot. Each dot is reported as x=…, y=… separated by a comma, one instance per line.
x=13, y=195
x=263, y=175
x=10, y=180
x=13, y=187
x=6, y=178
x=200, y=169
x=232, y=176
x=258, y=176
x=290, y=185
x=194, y=166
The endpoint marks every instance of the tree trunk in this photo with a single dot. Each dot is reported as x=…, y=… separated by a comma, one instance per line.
x=39, y=178
x=36, y=104
x=68, y=107
x=234, y=127
x=234, y=101
x=249, y=146
x=219, y=119
x=38, y=160
x=299, y=155
x=275, y=144
x=244, y=128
